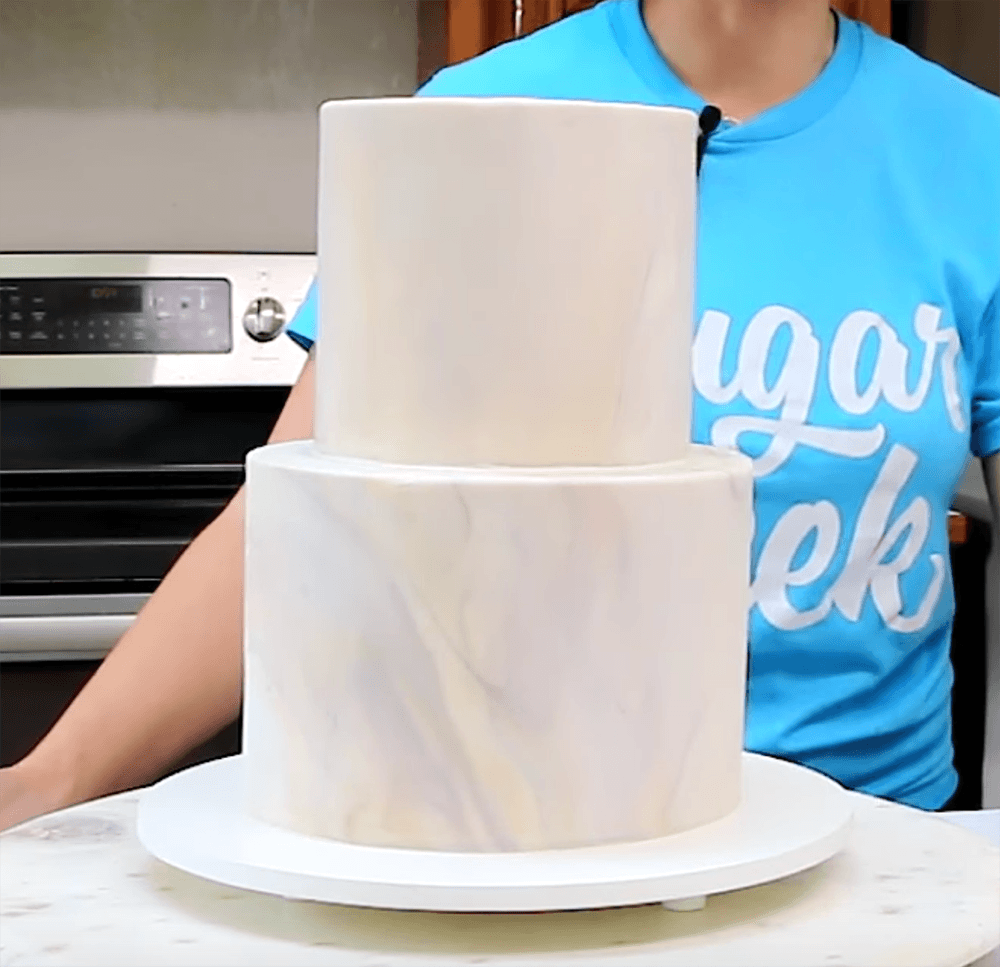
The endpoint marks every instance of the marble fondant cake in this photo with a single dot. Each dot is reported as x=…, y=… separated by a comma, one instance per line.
x=499, y=602
x=505, y=283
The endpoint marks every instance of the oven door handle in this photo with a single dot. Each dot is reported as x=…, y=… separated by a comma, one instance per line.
x=61, y=637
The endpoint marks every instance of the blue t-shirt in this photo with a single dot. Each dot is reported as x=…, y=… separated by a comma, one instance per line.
x=848, y=340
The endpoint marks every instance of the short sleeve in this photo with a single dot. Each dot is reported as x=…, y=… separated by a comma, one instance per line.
x=302, y=328
x=986, y=394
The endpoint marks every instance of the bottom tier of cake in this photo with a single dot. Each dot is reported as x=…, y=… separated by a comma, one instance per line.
x=494, y=659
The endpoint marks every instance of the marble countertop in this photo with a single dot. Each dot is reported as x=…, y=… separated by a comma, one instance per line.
x=77, y=888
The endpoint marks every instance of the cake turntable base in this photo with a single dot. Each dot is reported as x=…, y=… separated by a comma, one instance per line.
x=790, y=819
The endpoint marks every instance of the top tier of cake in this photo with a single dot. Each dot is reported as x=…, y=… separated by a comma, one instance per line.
x=505, y=282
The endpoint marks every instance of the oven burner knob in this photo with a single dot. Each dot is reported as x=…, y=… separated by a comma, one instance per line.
x=264, y=319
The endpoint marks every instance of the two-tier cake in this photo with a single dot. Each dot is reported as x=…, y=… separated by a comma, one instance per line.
x=499, y=602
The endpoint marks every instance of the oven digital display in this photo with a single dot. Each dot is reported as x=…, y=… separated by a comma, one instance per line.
x=107, y=315
x=102, y=298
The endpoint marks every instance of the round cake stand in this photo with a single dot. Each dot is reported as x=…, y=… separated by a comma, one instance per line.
x=790, y=818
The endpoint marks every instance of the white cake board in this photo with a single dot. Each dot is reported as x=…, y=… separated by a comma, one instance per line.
x=790, y=818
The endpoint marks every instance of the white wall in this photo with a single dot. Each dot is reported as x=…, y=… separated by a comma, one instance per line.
x=180, y=125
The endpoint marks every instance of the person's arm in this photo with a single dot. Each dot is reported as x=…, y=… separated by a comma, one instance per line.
x=991, y=755
x=172, y=681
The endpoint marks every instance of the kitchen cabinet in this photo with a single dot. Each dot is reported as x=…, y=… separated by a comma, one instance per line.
x=477, y=25
x=876, y=13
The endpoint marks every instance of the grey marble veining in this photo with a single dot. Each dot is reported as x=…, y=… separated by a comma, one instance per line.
x=494, y=660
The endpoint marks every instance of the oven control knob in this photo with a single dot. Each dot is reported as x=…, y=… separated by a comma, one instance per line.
x=264, y=319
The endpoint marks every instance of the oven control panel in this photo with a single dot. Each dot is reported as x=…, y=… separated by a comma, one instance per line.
x=106, y=315
x=125, y=321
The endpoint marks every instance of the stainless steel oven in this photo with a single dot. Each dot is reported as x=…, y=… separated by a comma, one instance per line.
x=131, y=388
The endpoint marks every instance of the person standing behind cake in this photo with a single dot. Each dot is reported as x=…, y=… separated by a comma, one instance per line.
x=847, y=339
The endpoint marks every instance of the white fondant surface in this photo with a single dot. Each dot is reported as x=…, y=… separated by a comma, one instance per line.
x=494, y=660
x=505, y=282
